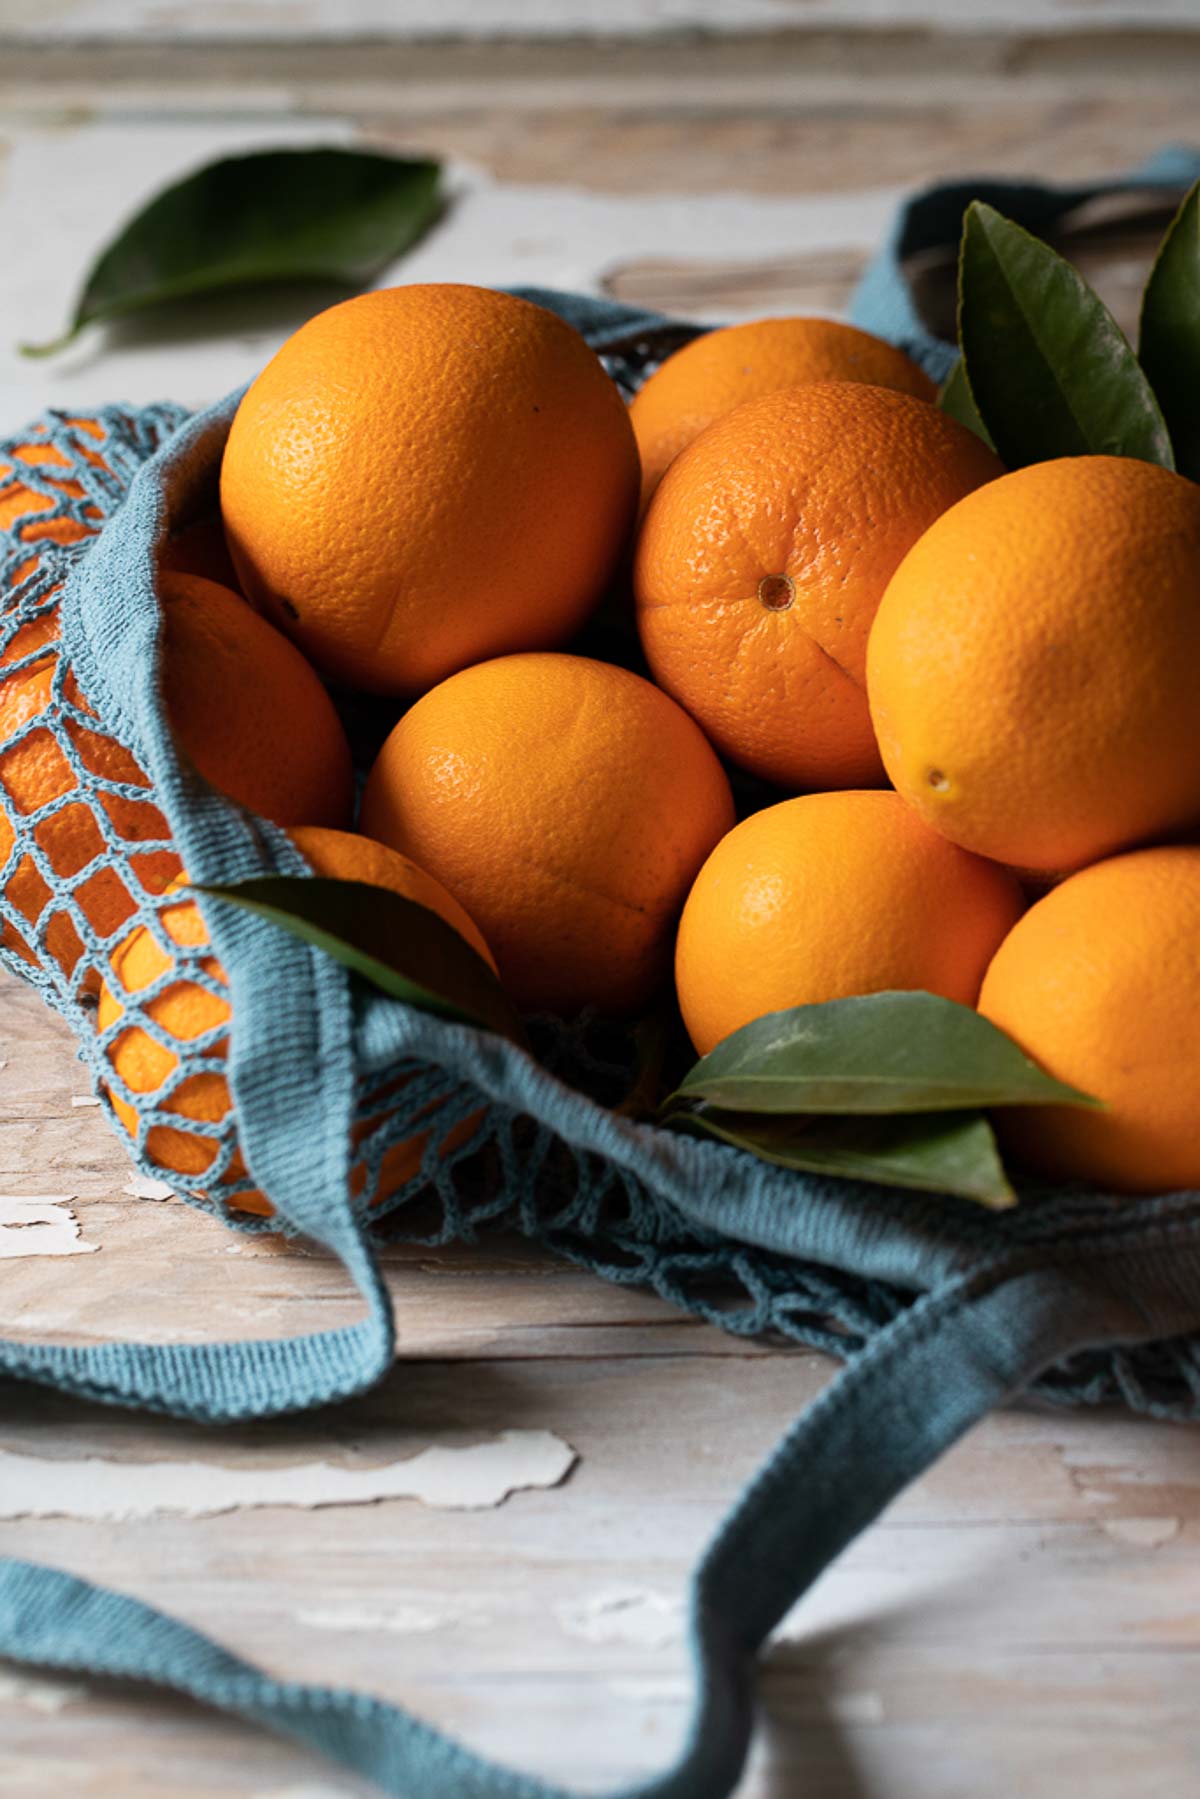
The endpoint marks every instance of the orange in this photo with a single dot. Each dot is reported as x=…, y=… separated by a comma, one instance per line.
x=185, y=1011
x=36, y=774
x=718, y=371
x=764, y=555
x=831, y=895
x=17, y=500
x=200, y=549
x=426, y=476
x=568, y=804
x=247, y=710
x=1100, y=983
x=189, y=1008
x=347, y=856
x=1034, y=666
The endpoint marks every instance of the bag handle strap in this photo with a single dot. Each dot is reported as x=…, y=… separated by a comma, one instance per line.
x=883, y=301
x=913, y=1391
x=219, y=1383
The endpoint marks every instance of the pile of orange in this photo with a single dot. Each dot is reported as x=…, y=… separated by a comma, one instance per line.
x=940, y=685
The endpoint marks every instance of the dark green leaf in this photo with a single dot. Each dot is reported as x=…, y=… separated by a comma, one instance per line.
x=1169, y=340
x=956, y=402
x=937, y=1153
x=879, y=1052
x=1048, y=366
x=272, y=216
x=402, y=948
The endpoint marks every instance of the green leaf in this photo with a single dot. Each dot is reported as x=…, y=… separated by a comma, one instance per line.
x=879, y=1052
x=272, y=216
x=1049, y=368
x=402, y=948
x=956, y=402
x=1169, y=337
x=936, y=1153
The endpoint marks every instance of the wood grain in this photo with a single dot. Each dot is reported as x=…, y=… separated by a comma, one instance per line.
x=1025, y=1619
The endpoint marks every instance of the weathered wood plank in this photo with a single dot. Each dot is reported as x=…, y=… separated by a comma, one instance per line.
x=1026, y=1616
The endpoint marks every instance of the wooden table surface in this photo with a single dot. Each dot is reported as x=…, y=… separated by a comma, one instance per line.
x=1027, y=1619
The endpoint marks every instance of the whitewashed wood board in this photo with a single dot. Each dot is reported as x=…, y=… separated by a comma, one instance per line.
x=90, y=20
x=1026, y=1617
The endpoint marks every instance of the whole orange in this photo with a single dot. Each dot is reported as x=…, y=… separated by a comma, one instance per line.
x=198, y=1004
x=716, y=372
x=1100, y=983
x=831, y=895
x=426, y=476
x=1034, y=666
x=765, y=553
x=249, y=710
x=568, y=803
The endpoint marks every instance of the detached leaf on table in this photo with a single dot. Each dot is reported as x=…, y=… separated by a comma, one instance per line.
x=1049, y=368
x=272, y=216
x=876, y=1053
x=1169, y=337
x=401, y=948
x=938, y=1153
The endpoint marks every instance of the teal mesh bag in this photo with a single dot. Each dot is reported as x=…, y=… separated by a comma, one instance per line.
x=943, y=1311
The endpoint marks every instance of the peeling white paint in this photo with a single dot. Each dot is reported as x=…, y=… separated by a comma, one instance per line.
x=40, y=1225
x=1145, y=1533
x=857, y=1708
x=142, y=1187
x=636, y=1615
x=484, y=1474
x=39, y=1694
x=397, y=1620
x=654, y=1690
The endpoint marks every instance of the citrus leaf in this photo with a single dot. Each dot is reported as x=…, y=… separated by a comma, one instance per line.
x=1049, y=368
x=1169, y=336
x=956, y=402
x=876, y=1053
x=402, y=948
x=936, y=1153
x=271, y=216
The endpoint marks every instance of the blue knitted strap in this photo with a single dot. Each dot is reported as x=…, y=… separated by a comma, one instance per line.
x=887, y=1416
x=883, y=301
